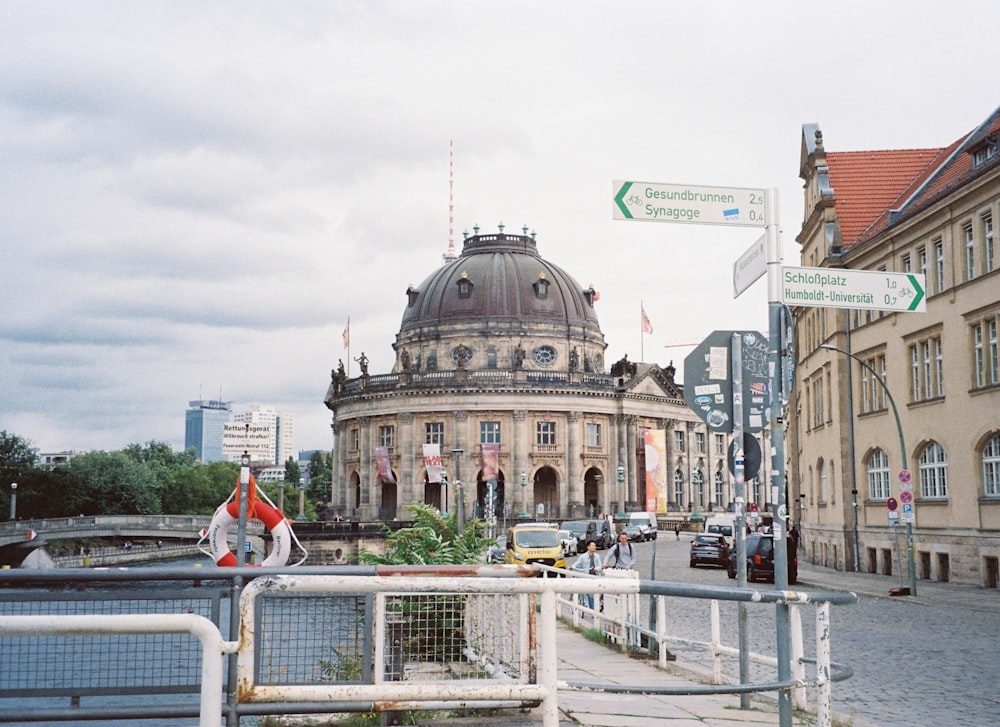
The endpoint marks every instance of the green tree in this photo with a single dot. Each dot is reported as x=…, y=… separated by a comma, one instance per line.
x=16, y=456
x=112, y=483
x=320, y=478
x=433, y=539
x=293, y=473
x=46, y=493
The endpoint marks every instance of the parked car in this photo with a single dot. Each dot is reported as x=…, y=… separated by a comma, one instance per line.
x=583, y=530
x=635, y=533
x=760, y=560
x=570, y=544
x=495, y=553
x=709, y=548
x=647, y=522
x=602, y=534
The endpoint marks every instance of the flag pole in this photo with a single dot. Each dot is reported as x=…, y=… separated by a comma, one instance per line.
x=347, y=344
x=642, y=332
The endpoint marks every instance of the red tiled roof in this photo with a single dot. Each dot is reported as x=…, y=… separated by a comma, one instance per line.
x=874, y=189
x=867, y=183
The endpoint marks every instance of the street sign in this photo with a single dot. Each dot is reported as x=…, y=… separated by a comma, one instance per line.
x=908, y=514
x=708, y=381
x=865, y=289
x=653, y=202
x=750, y=266
x=905, y=477
x=891, y=503
x=906, y=497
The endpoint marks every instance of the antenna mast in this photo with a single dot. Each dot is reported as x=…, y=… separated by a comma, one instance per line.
x=451, y=254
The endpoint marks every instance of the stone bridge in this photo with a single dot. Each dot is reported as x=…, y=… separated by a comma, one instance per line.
x=327, y=542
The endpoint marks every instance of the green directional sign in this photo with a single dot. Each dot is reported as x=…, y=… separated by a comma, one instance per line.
x=733, y=206
x=866, y=289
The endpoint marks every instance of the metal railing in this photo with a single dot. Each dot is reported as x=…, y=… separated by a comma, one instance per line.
x=329, y=639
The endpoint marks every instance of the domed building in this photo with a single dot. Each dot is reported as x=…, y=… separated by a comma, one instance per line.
x=500, y=362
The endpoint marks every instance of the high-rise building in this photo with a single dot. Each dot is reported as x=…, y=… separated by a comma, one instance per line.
x=281, y=445
x=203, y=423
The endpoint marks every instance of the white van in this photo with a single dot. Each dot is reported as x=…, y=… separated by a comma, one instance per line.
x=723, y=524
x=646, y=522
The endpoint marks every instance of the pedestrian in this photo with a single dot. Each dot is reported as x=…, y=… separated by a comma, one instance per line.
x=623, y=554
x=677, y=530
x=589, y=562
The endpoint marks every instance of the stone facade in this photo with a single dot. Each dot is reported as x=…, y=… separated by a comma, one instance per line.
x=929, y=212
x=501, y=346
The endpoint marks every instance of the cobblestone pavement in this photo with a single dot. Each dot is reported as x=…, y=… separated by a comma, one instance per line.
x=929, y=659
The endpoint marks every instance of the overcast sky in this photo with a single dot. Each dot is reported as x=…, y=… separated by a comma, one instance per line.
x=196, y=196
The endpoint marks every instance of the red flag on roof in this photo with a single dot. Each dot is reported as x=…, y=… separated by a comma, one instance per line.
x=647, y=327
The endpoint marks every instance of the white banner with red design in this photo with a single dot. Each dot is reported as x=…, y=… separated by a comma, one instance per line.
x=384, y=467
x=432, y=462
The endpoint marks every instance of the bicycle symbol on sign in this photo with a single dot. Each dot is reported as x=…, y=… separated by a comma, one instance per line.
x=633, y=200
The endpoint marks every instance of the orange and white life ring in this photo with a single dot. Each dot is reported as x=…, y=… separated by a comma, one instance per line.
x=272, y=518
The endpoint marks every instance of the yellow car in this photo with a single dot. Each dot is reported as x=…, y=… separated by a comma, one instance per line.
x=535, y=543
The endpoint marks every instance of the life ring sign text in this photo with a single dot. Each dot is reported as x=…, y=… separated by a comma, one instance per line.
x=654, y=202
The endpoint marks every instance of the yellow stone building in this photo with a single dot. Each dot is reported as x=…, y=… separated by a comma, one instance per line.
x=928, y=212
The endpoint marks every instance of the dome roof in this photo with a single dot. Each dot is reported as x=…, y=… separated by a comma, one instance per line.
x=501, y=283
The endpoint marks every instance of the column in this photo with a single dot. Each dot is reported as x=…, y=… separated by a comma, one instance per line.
x=406, y=491
x=520, y=447
x=574, y=482
x=631, y=422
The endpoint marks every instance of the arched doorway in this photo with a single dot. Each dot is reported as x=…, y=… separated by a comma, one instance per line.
x=592, y=495
x=354, y=494
x=387, y=511
x=481, y=507
x=546, y=493
x=433, y=493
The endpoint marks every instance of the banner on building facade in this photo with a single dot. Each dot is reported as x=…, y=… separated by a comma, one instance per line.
x=655, y=441
x=384, y=467
x=491, y=461
x=432, y=462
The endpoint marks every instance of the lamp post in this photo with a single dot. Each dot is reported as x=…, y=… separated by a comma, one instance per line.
x=281, y=496
x=13, y=500
x=302, y=499
x=911, y=570
x=524, y=495
x=621, y=484
x=459, y=492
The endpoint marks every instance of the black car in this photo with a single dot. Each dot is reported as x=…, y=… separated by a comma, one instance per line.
x=760, y=560
x=709, y=548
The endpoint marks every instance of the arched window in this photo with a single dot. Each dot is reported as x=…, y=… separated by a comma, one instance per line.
x=991, y=467
x=720, y=484
x=878, y=475
x=933, y=471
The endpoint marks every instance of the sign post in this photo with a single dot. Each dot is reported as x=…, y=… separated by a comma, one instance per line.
x=729, y=206
x=865, y=289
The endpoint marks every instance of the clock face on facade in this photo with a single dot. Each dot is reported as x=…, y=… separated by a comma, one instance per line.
x=544, y=355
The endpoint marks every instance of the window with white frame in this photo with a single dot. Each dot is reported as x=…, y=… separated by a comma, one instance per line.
x=355, y=439
x=679, y=487
x=872, y=391
x=938, y=266
x=720, y=443
x=489, y=432
x=933, y=471
x=434, y=433
x=720, y=489
x=679, y=441
x=922, y=261
x=991, y=467
x=821, y=471
x=985, y=354
x=906, y=263
x=699, y=442
x=545, y=433
x=926, y=369
x=878, y=476
x=593, y=434
x=970, y=251
x=817, y=392
x=387, y=436
x=988, y=250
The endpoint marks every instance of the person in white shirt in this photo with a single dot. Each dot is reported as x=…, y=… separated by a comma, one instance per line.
x=590, y=563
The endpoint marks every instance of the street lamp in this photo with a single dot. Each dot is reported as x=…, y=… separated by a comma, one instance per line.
x=302, y=499
x=13, y=500
x=524, y=495
x=281, y=496
x=911, y=570
x=459, y=492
